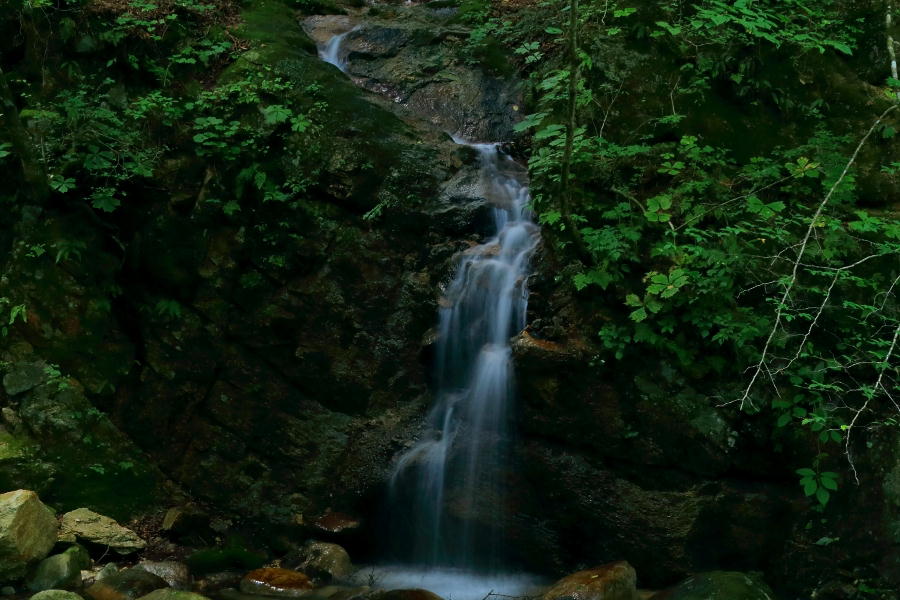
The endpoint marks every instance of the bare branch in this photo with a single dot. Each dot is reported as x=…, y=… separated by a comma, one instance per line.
x=879, y=383
x=779, y=313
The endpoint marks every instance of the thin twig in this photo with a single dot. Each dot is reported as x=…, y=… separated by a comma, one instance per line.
x=779, y=313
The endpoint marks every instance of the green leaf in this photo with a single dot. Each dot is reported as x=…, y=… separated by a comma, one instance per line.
x=104, y=199
x=806, y=472
x=231, y=207
x=809, y=486
x=830, y=484
x=276, y=113
x=822, y=495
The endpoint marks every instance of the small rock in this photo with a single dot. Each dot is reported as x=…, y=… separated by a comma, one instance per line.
x=335, y=522
x=56, y=595
x=97, y=573
x=170, y=594
x=720, y=585
x=7, y=590
x=276, y=582
x=411, y=594
x=27, y=532
x=613, y=581
x=61, y=571
x=127, y=584
x=324, y=561
x=86, y=525
x=107, y=570
x=218, y=581
x=175, y=573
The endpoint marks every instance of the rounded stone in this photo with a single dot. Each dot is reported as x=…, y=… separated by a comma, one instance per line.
x=56, y=595
x=276, y=582
x=613, y=581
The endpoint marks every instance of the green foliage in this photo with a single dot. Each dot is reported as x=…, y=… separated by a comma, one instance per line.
x=685, y=245
x=9, y=314
x=818, y=484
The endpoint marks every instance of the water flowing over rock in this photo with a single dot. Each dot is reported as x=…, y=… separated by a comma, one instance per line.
x=454, y=476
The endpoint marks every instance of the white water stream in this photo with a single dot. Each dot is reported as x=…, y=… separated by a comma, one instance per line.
x=447, y=498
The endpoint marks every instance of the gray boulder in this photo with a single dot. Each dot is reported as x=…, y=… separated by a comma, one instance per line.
x=27, y=532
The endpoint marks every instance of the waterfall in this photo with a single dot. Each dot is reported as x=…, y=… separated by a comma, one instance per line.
x=330, y=52
x=447, y=491
x=446, y=494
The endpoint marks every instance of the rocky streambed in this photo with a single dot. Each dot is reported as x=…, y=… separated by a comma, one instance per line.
x=82, y=555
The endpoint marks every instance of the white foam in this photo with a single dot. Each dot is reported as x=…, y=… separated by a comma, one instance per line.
x=452, y=584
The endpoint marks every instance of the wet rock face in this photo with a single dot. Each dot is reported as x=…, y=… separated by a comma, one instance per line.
x=414, y=61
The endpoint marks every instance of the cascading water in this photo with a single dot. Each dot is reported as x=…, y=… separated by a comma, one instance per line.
x=448, y=487
x=446, y=494
x=331, y=52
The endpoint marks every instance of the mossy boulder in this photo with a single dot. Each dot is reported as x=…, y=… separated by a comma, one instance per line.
x=28, y=532
x=60, y=571
x=720, y=585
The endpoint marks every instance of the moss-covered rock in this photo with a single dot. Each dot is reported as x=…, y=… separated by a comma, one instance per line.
x=720, y=585
x=60, y=571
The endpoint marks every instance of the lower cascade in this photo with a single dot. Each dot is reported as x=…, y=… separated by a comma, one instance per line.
x=447, y=493
x=446, y=497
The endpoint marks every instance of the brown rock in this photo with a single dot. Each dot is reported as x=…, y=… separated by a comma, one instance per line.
x=613, y=581
x=411, y=594
x=276, y=582
x=127, y=584
x=335, y=522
